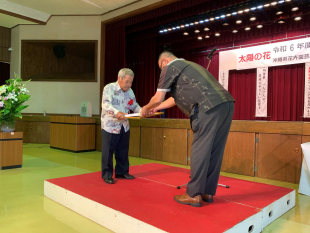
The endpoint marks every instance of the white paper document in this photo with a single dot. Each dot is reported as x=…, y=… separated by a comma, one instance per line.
x=133, y=115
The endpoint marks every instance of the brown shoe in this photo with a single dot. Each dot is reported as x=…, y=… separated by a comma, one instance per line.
x=207, y=198
x=187, y=200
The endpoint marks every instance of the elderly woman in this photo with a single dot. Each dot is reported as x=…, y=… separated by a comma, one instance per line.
x=117, y=100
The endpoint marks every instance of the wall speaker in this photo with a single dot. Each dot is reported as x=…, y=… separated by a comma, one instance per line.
x=86, y=109
x=59, y=51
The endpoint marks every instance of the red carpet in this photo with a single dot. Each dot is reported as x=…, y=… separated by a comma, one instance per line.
x=149, y=198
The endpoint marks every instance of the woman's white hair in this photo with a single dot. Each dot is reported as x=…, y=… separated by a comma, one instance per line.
x=125, y=71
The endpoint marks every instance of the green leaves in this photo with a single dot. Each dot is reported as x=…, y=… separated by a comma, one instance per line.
x=12, y=97
x=6, y=111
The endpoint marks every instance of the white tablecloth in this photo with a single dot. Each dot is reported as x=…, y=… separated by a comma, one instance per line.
x=304, y=184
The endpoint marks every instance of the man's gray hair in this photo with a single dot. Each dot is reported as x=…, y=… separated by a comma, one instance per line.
x=166, y=54
x=125, y=71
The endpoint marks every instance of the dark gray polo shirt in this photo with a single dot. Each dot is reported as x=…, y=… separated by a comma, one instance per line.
x=190, y=84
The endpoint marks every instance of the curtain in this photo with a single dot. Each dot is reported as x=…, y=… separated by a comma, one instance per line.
x=136, y=44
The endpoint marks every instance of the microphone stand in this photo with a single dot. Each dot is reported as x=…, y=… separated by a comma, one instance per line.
x=209, y=58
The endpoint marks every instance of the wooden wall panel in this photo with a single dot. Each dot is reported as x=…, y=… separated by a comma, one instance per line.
x=85, y=143
x=39, y=132
x=34, y=132
x=147, y=143
x=158, y=144
x=23, y=126
x=98, y=138
x=175, y=146
x=279, y=157
x=239, y=154
x=11, y=152
x=5, y=43
x=39, y=62
x=134, y=142
x=63, y=136
x=189, y=145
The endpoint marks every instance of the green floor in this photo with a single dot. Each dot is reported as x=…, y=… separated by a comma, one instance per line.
x=24, y=209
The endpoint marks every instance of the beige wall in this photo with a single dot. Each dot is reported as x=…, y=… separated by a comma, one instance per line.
x=59, y=97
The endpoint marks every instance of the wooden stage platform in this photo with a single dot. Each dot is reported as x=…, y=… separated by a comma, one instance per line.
x=146, y=203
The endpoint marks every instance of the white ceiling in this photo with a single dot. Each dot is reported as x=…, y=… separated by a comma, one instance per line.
x=73, y=7
x=10, y=21
x=41, y=10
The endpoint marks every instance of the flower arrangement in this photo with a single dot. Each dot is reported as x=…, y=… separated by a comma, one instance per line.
x=12, y=96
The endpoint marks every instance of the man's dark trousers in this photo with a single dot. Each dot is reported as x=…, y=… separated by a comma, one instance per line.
x=210, y=130
x=118, y=143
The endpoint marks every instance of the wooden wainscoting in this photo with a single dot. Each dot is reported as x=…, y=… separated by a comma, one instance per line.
x=279, y=157
x=164, y=144
x=134, y=142
x=239, y=154
x=34, y=131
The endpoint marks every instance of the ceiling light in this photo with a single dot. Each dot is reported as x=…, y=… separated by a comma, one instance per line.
x=274, y=3
x=201, y=21
x=281, y=21
x=279, y=12
x=280, y=2
x=161, y=31
x=185, y=33
x=182, y=26
x=165, y=30
x=238, y=21
x=234, y=31
x=253, y=18
x=169, y=29
x=240, y=12
x=207, y=36
x=295, y=8
x=196, y=22
x=287, y=0
x=211, y=19
x=247, y=10
x=206, y=29
x=234, y=13
x=266, y=5
x=253, y=9
x=247, y=28
x=297, y=18
x=173, y=28
x=260, y=7
x=217, y=17
x=197, y=31
x=199, y=38
x=186, y=25
x=259, y=26
x=225, y=24
x=191, y=24
x=206, y=20
x=228, y=15
x=178, y=27
x=217, y=34
x=223, y=16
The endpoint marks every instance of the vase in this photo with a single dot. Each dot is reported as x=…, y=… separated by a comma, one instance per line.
x=8, y=127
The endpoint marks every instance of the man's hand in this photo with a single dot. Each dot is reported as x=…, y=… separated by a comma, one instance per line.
x=154, y=110
x=120, y=116
x=144, y=112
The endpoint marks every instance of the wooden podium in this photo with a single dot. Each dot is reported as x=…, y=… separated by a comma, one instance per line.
x=76, y=134
x=11, y=150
